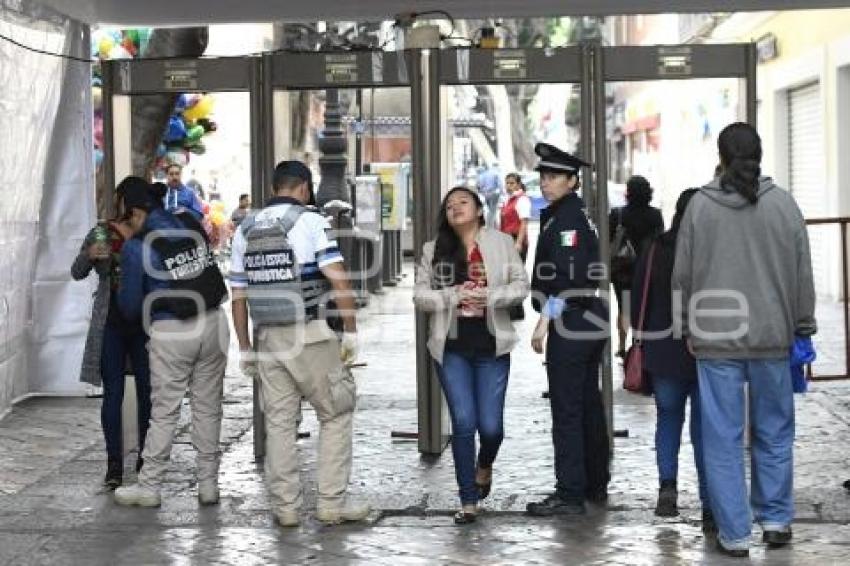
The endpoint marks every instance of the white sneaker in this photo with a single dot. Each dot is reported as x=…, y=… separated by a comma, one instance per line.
x=348, y=512
x=289, y=518
x=136, y=494
x=208, y=492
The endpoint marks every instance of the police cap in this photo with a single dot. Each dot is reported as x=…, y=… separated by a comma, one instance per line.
x=554, y=160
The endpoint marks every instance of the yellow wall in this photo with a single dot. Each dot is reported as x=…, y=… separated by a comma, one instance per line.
x=800, y=30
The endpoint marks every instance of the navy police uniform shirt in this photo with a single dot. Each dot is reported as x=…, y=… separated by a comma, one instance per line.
x=566, y=249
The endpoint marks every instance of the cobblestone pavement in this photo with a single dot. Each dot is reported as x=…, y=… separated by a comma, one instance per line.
x=53, y=509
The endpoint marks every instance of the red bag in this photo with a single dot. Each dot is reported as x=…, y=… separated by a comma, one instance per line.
x=636, y=379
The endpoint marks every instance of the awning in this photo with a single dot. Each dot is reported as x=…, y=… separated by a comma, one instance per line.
x=205, y=12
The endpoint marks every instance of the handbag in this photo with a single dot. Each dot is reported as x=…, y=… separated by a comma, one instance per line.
x=636, y=379
x=623, y=255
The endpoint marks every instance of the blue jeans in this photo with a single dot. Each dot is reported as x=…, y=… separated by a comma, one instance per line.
x=475, y=391
x=671, y=396
x=771, y=401
x=117, y=345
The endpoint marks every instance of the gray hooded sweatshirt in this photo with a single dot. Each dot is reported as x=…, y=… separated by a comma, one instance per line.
x=744, y=273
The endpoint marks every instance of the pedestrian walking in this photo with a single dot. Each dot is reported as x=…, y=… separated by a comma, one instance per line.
x=467, y=280
x=514, y=221
x=672, y=369
x=744, y=272
x=631, y=228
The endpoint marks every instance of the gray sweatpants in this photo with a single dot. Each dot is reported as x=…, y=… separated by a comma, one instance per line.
x=186, y=354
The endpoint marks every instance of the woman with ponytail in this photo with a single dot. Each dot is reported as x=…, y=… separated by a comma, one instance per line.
x=744, y=274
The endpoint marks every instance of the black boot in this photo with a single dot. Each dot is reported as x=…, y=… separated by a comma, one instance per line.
x=139, y=463
x=555, y=505
x=114, y=474
x=667, y=499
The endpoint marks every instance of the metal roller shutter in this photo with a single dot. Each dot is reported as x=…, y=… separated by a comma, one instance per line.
x=807, y=170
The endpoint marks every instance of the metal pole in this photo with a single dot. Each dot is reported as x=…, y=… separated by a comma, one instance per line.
x=585, y=151
x=601, y=218
x=108, y=90
x=844, y=275
x=424, y=93
x=262, y=141
x=752, y=85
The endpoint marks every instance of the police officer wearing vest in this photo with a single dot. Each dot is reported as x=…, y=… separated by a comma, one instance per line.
x=170, y=281
x=285, y=266
x=574, y=324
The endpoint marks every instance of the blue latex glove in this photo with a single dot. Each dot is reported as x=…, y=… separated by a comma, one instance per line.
x=553, y=307
x=802, y=353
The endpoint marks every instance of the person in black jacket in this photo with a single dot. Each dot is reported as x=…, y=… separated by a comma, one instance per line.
x=641, y=223
x=574, y=324
x=671, y=367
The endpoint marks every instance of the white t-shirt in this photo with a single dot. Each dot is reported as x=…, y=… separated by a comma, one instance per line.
x=523, y=207
x=310, y=240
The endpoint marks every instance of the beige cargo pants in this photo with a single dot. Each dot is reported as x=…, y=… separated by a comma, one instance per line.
x=292, y=365
x=186, y=354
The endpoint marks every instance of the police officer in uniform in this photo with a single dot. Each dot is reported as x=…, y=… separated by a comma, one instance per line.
x=170, y=280
x=284, y=267
x=574, y=325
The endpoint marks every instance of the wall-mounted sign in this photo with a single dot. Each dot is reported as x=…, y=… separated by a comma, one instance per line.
x=674, y=61
x=340, y=68
x=509, y=64
x=180, y=75
x=767, y=47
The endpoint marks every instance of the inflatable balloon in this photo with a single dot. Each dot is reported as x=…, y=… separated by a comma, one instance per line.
x=182, y=103
x=178, y=157
x=194, y=133
x=97, y=97
x=205, y=208
x=129, y=46
x=200, y=110
x=217, y=218
x=208, y=125
x=176, y=130
x=132, y=35
x=217, y=206
x=104, y=46
x=144, y=38
x=98, y=131
x=118, y=52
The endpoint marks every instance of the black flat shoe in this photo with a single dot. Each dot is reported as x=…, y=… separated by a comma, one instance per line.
x=777, y=539
x=465, y=518
x=555, y=505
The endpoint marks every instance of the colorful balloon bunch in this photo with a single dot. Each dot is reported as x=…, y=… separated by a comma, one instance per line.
x=188, y=124
x=119, y=44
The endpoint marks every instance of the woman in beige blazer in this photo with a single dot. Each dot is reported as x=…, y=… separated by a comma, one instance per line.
x=467, y=280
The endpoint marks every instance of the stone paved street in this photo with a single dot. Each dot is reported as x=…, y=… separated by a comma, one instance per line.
x=53, y=509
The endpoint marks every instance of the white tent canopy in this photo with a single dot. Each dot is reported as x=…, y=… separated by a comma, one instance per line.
x=204, y=12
